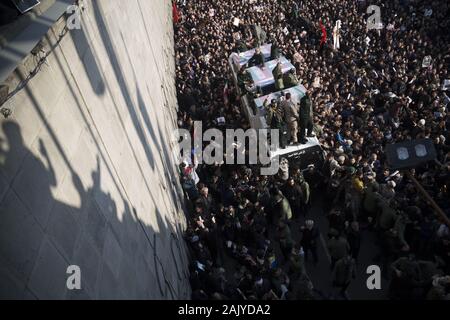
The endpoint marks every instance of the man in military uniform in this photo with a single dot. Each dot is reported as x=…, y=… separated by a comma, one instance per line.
x=259, y=34
x=274, y=119
x=278, y=76
x=406, y=278
x=290, y=109
x=274, y=51
x=343, y=274
x=306, y=119
x=257, y=59
x=241, y=46
x=244, y=79
x=338, y=247
x=290, y=79
x=282, y=208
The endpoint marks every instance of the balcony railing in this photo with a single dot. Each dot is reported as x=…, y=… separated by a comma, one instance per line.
x=20, y=36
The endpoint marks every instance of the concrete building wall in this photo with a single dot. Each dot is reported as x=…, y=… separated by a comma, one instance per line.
x=87, y=175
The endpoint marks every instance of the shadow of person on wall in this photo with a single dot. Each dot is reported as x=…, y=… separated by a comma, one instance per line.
x=30, y=220
x=120, y=256
x=16, y=157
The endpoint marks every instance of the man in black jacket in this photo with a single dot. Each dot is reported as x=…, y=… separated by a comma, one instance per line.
x=310, y=237
x=257, y=59
x=343, y=274
x=293, y=193
x=306, y=119
x=354, y=239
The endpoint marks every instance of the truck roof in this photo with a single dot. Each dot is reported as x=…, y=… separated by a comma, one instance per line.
x=242, y=58
x=297, y=93
x=306, y=154
x=263, y=77
x=258, y=120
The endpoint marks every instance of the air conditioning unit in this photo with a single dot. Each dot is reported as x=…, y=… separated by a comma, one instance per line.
x=25, y=5
x=410, y=154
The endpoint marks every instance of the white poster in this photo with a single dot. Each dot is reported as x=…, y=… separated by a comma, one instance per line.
x=426, y=62
x=221, y=120
x=428, y=12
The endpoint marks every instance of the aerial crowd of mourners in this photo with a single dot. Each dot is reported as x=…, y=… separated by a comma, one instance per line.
x=257, y=237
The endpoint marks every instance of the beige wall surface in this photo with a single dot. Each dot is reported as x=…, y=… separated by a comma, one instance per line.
x=87, y=175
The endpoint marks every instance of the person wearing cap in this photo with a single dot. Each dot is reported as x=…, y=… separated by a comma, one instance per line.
x=310, y=239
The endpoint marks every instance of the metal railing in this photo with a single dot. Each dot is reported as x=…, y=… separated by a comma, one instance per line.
x=18, y=48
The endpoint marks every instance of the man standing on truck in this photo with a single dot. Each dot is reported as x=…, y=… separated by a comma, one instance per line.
x=278, y=76
x=290, y=109
x=244, y=80
x=306, y=119
x=274, y=119
x=259, y=34
x=275, y=52
x=290, y=79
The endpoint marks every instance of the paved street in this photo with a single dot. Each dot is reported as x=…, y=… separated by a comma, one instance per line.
x=321, y=274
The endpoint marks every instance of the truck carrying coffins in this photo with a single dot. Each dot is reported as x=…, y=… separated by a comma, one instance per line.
x=258, y=89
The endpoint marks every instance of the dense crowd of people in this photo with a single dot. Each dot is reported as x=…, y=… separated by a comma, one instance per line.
x=253, y=236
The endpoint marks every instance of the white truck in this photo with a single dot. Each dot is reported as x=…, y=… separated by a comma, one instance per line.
x=263, y=88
